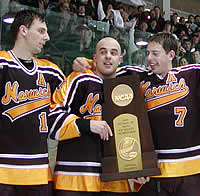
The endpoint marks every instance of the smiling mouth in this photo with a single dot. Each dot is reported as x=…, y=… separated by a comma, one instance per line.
x=107, y=64
x=152, y=66
x=42, y=44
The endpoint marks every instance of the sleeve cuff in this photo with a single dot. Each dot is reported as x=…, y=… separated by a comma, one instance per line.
x=83, y=125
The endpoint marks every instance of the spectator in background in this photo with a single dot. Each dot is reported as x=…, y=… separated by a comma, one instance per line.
x=43, y=4
x=180, y=26
x=131, y=12
x=136, y=54
x=152, y=14
x=141, y=9
x=65, y=16
x=197, y=20
x=152, y=26
x=87, y=8
x=159, y=18
x=168, y=27
x=174, y=21
x=196, y=57
x=188, y=31
x=191, y=21
x=140, y=12
x=81, y=8
x=182, y=35
x=14, y=6
x=109, y=16
x=73, y=6
x=127, y=22
x=143, y=26
x=114, y=32
x=183, y=61
x=182, y=20
x=31, y=3
x=132, y=48
x=187, y=47
x=195, y=40
x=85, y=37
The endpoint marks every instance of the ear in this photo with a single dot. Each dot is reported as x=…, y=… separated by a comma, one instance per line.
x=121, y=60
x=23, y=30
x=171, y=54
x=94, y=57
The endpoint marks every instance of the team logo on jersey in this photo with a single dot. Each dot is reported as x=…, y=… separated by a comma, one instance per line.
x=37, y=99
x=122, y=95
x=40, y=80
x=171, y=78
x=91, y=106
x=162, y=95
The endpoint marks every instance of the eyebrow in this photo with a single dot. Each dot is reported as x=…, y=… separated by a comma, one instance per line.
x=113, y=49
x=155, y=50
x=42, y=28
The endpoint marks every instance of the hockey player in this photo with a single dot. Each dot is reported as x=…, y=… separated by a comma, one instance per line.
x=172, y=97
x=26, y=87
x=78, y=106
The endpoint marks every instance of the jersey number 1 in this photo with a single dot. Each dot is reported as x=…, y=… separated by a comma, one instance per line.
x=43, y=122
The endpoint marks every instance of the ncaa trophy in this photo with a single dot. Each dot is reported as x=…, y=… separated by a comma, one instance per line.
x=130, y=152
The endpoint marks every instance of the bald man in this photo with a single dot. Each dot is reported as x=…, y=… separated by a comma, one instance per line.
x=78, y=108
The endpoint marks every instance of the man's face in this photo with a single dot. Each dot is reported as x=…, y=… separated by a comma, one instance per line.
x=183, y=61
x=158, y=60
x=187, y=45
x=196, y=56
x=191, y=19
x=107, y=58
x=36, y=36
x=153, y=24
x=157, y=11
x=174, y=18
x=197, y=19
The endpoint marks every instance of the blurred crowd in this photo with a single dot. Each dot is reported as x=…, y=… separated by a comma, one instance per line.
x=119, y=15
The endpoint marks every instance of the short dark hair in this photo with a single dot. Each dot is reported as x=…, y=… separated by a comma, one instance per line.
x=25, y=17
x=167, y=41
x=140, y=7
x=156, y=7
x=186, y=40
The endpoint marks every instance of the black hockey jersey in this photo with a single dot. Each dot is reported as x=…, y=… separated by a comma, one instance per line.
x=25, y=98
x=78, y=164
x=173, y=109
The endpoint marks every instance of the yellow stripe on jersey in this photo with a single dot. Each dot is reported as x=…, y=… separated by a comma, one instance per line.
x=177, y=169
x=68, y=129
x=89, y=183
x=50, y=175
x=5, y=55
x=59, y=95
x=94, y=117
x=26, y=108
x=165, y=99
x=25, y=176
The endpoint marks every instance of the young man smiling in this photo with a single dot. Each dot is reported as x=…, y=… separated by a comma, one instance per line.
x=172, y=97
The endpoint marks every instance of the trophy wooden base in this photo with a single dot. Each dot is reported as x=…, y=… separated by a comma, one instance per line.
x=110, y=169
